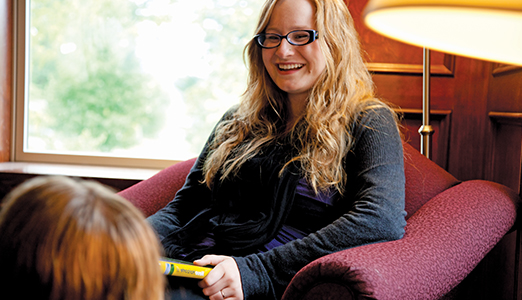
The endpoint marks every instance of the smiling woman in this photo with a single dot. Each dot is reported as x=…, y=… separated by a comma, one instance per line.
x=309, y=163
x=127, y=79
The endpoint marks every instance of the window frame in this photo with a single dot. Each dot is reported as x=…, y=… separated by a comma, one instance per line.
x=21, y=17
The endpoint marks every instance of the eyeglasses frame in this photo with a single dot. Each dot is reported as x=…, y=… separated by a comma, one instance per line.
x=314, y=35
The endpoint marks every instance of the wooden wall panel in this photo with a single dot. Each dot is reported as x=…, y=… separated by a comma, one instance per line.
x=506, y=147
x=504, y=151
x=390, y=56
x=458, y=85
x=5, y=78
x=469, y=122
x=387, y=56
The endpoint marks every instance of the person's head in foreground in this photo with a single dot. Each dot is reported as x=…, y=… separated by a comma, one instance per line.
x=69, y=239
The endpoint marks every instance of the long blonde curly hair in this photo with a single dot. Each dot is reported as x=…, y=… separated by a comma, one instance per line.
x=322, y=137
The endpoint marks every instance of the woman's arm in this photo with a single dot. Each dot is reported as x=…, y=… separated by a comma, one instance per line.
x=190, y=199
x=375, y=214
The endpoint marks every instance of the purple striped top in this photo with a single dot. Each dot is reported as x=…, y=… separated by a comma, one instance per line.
x=309, y=213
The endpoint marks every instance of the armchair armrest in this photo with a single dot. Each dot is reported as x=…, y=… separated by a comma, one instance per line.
x=444, y=241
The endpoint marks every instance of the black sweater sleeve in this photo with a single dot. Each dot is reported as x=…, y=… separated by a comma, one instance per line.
x=375, y=193
x=192, y=198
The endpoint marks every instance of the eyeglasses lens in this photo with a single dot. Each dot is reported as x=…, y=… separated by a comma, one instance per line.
x=299, y=37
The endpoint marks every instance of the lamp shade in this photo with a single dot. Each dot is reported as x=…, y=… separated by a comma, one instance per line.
x=482, y=29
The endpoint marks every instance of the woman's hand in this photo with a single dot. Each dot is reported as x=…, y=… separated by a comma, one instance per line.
x=224, y=281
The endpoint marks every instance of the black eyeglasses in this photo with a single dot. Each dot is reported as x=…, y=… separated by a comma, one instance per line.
x=296, y=38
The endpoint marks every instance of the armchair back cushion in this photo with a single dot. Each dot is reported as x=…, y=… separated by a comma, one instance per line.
x=424, y=180
x=154, y=193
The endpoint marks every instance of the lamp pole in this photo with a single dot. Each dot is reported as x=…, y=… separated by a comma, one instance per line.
x=425, y=130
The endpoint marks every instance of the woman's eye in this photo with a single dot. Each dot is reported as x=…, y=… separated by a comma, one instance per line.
x=301, y=37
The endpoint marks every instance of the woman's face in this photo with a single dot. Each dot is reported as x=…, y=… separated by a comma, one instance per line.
x=294, y=69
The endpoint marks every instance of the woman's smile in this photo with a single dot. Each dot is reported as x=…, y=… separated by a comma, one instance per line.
x=290, y=67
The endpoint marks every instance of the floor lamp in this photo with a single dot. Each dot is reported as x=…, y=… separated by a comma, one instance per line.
x=426, y=130
x=483, y=29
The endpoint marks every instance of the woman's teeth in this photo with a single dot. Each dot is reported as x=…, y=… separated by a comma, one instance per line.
x=287, y=67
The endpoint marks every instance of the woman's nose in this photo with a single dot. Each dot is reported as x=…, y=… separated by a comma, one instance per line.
x=284, y=49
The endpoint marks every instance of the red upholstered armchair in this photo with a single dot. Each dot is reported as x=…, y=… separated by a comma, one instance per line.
x=451, y=226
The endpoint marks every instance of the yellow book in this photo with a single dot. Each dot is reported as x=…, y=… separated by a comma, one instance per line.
x=174, y=267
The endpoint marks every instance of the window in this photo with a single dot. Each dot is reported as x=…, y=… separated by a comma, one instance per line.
x=126, y=82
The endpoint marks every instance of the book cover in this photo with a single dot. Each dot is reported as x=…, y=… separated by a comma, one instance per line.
x=174, y=267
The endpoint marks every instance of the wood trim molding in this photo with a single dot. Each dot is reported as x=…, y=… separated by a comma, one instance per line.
x=436, y=114
x=502, y=69
x=6, y=65
x=445, y=69
x=505, y=147
x=506, y=117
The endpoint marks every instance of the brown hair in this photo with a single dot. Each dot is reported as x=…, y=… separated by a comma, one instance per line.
x=67, y=239
x=324, y=134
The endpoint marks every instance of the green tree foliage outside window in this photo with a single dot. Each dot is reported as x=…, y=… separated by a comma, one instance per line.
x=89, y=90
x=230, y=26
x=86, y=83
